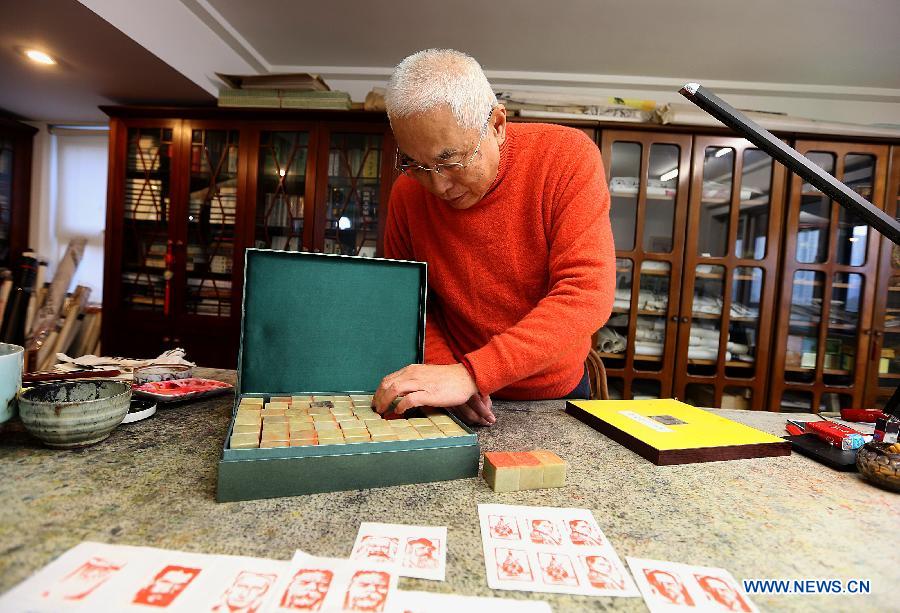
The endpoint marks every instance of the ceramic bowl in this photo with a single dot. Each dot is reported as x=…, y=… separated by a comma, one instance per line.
x=11, y=359
x=880, y=464
x=74, y=413
x=162, y=372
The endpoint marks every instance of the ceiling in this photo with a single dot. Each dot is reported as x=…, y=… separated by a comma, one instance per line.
x=98, y=65
x=813, y=42
x=168, y=51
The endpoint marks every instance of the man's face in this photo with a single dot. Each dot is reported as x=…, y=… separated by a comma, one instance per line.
x=172, y=581
x=367, y=591
x=378, y=547
x=434, y=137
x=246, y=590
x=579, y=525
x=308, y=588
x=599, y=564
x=720, y=590
x=668, y=585
x=421, y=550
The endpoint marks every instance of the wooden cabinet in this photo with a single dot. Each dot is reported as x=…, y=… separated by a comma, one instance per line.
x=697, y=225
x=730, y=281
x=884, y=357
x=189, y=192
x=828, y=285
x=15, y=188
x=648, y=175
x=736, y=285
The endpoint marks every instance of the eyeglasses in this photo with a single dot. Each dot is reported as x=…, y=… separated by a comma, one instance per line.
x=412, y=169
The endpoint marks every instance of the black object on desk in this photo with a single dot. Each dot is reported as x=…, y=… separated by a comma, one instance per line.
x=813, y=447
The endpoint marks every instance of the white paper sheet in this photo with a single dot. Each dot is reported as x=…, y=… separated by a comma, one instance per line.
x=333, y=584
x=546, y=549
x=98, y=577
x=669, y=587
x=416, y=551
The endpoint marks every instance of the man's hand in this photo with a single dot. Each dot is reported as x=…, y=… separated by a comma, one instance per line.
x=429, y=385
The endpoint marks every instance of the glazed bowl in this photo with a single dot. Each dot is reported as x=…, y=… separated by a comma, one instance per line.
x=74, y=413
x=11, y=360
x=880, y=464
x=161, y=372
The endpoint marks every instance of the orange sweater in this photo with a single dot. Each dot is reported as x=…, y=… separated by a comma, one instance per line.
x=519, y=282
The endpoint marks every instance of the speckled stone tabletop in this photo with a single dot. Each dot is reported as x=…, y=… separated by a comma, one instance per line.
x=153, y=483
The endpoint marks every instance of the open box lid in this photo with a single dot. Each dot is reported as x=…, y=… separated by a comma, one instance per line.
x=327, y=323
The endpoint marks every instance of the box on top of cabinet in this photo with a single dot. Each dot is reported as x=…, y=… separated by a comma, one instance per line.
x=318, y=333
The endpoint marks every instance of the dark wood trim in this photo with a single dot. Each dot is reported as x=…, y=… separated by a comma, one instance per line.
x=230, y=114
x=22, y=138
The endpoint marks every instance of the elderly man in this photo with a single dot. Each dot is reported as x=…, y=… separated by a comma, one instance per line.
x=513, y=221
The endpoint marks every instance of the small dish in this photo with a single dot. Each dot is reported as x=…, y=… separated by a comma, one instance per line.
x=140, y=410
x=182, y=389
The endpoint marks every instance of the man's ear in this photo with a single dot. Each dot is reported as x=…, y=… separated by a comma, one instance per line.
x=498, y=123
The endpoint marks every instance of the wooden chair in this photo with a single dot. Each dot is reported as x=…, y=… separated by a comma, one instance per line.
x=597, y=376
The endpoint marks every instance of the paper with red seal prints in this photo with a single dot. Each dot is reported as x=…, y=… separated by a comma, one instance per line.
x=547, y=549
x=415, y=551
x=669, y=587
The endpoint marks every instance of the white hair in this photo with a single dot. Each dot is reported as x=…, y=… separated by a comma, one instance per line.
x=435, y=77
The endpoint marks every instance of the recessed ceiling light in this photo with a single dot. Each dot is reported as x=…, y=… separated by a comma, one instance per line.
x=39, y=56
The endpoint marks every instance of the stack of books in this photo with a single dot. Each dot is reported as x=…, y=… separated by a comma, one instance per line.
x=284, y=98
x=289, y=91
x=144, y=200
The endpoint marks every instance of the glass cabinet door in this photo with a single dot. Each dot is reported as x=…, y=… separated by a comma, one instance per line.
x=146, y=261
x=353, y=193
x=731, y=262
x=281, y=216
x=830, y=263
x=647, y=175
x=884, y=365
x=211, y=217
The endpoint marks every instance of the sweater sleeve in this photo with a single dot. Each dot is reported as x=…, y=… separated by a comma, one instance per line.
x=397, y=245
x=581, y=260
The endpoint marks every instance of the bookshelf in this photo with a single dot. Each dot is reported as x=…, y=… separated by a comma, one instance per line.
x=190, y=190
x=729, y=271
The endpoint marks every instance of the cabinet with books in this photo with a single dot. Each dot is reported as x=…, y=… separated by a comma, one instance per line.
x=281, y=191
x=138, y=290
x=884, y=357
x=732, y=254
x=648, y=177
x=209, y=225
x=191, y=189
x=829, y=281
x=354, y=176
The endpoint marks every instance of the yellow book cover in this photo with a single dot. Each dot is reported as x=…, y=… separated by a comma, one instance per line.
x=667, y=431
